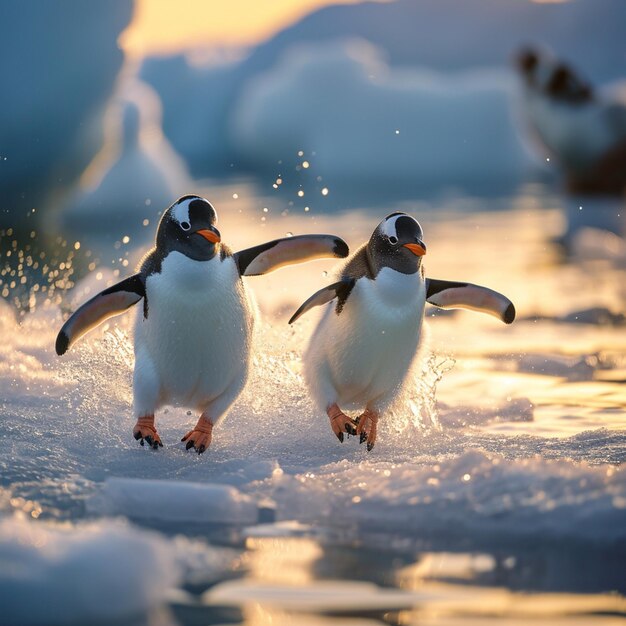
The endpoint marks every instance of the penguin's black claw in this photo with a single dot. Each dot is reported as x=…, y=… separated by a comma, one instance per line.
x=370, y=446
x=340, y=437
x=145, y=431
x=189, y=445
x=160, y=444
x=350, y=428
x=363, y=438
x=201, y=449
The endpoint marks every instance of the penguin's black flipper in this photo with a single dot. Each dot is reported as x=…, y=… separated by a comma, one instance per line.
x=452, y=295
x=340, y=290
x=274, y=254
x=107, y=303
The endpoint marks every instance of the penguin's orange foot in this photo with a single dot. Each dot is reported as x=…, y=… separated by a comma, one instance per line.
x=366, y=427
x=200, y=437
x=145, y=430
x=340, y=422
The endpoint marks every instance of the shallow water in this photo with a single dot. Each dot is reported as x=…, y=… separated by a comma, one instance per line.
x=495, y=492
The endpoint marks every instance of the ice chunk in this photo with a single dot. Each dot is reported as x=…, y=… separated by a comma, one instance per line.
x=174, y=501
x=97, y=572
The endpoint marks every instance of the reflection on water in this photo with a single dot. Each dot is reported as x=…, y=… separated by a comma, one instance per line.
x=300, y=581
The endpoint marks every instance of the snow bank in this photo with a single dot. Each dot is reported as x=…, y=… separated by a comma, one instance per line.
x=93, y=573
x=170, y=501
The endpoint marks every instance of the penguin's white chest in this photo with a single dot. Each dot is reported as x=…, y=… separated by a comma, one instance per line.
x=368, y=348
x=198, y=330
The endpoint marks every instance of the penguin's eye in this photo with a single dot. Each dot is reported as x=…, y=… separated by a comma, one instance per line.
x=185, y=225
x=393, y=240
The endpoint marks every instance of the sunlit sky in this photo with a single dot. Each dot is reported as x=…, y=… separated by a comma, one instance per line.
x=166, y=26
x=162, y=26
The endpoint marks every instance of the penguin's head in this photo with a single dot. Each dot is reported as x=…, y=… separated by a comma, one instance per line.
x=188, y=227
x=397, y=243
x=547, y=75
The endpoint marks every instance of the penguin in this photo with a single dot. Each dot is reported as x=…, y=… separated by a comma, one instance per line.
x=583, y=130
x=192, y=334
x=362, y=348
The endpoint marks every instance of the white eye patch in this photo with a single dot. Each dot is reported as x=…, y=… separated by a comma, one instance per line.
x=181, y=211
x=388, y=227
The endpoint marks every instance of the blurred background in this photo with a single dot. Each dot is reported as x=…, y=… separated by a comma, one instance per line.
x=302, y=107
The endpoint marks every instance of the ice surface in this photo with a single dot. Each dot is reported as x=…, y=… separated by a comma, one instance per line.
x=507, y=438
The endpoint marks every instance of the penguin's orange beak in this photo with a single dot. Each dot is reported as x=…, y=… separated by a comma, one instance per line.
x=210, y=235
x=418, y=249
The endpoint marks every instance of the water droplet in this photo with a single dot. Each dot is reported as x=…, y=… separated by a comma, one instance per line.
x=325, y=191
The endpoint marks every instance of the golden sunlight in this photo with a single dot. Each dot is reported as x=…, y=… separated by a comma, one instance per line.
x=161, y=27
